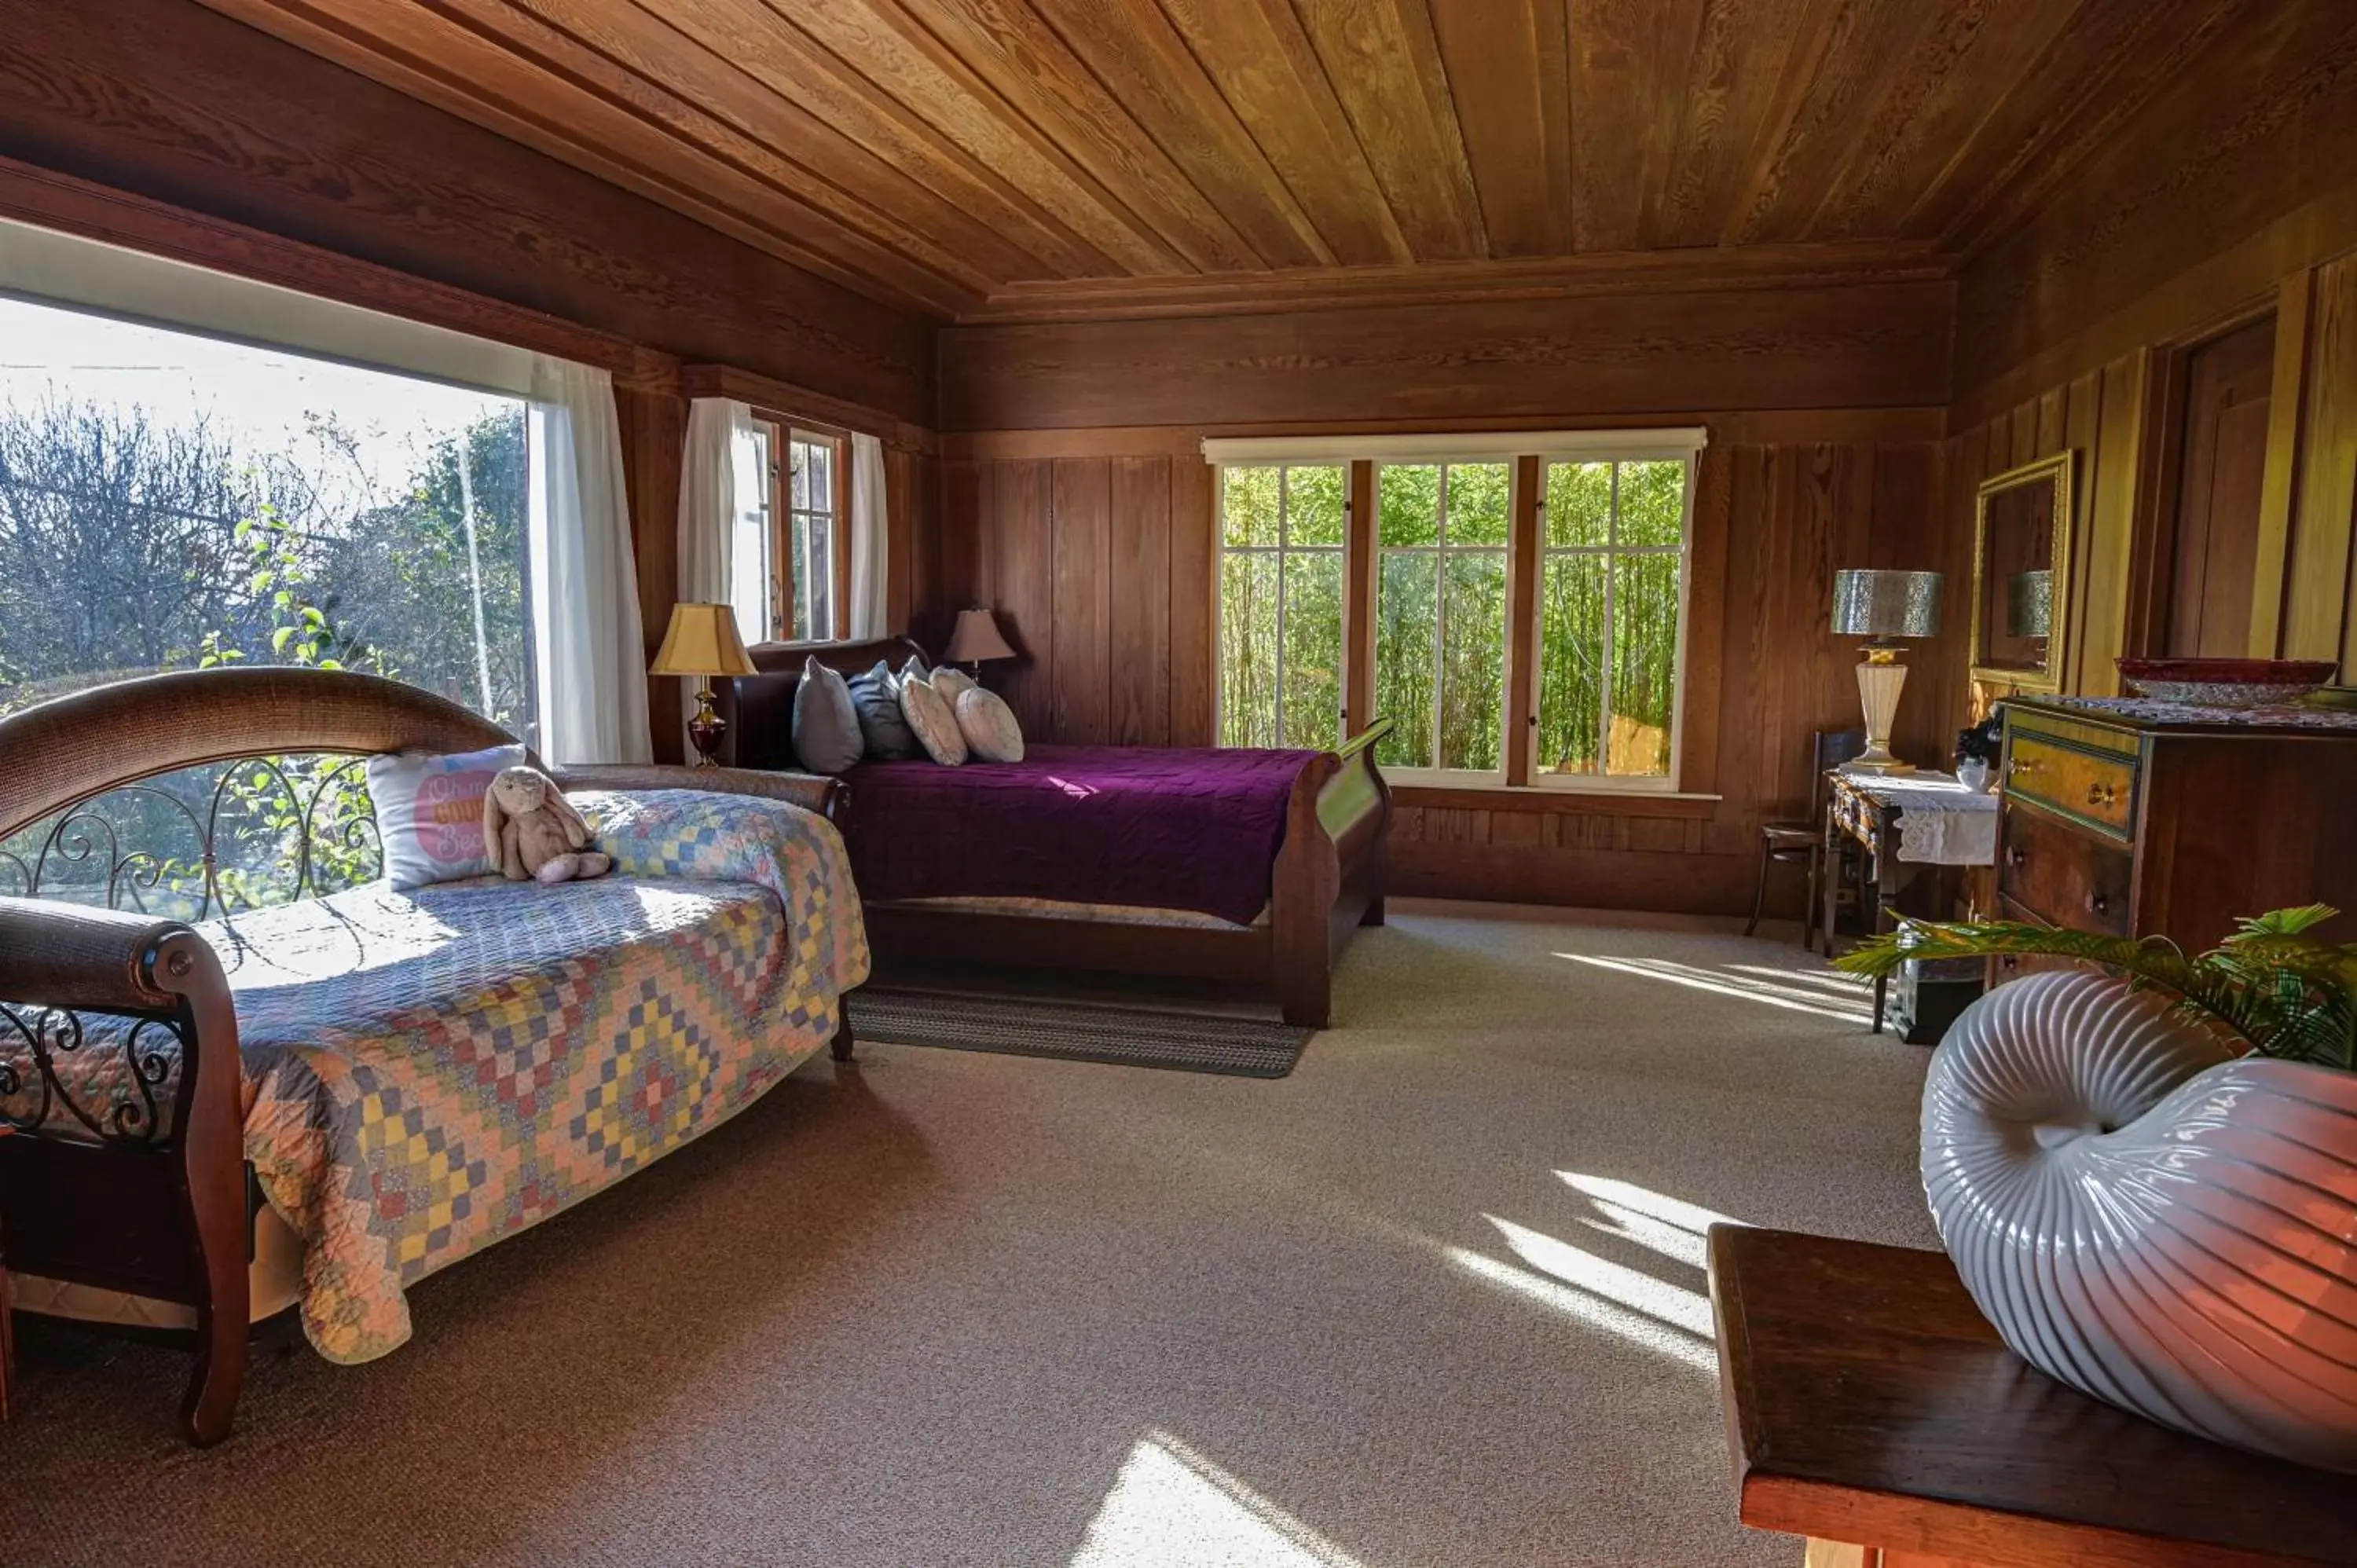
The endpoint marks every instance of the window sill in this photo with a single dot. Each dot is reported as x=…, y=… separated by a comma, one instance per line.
x=1558, y=798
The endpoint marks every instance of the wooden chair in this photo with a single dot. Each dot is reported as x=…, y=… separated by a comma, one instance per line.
x=1803, y=843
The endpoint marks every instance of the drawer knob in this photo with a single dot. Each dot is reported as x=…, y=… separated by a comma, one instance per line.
x=2021, y=767
x=2017, y=856
x=2011, y=960
x=2099, y=903
x=2101, y=794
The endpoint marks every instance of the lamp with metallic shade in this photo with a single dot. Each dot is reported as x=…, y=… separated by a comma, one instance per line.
x=702, y=642
x=1883, y=606
x=975, y=639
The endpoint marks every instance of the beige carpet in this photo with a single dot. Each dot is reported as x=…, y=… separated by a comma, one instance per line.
x=1433, y=1299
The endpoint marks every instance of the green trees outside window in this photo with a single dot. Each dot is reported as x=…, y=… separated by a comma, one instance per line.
x=1611, y=561
x=1281, y=537
x=1602, y=647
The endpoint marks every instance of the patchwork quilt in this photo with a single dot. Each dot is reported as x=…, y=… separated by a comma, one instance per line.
x=427, y=1073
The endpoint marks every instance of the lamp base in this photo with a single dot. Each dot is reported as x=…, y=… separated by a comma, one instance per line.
x=1880, y=679
x=706, y=729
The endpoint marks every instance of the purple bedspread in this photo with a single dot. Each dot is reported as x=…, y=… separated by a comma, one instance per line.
x=1176, y=829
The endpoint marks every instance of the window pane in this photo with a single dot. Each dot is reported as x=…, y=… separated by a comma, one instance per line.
x=1571, y=664
x=170, y=501
x=1578, y=504
x=1248, y=595
x=1408, y=503
x=1478, y=508
x=1249, y=509
x=1315, y=499
x=1313, y=648
x=1644, y=663
x=1652, y=503
x=818, y=575
x=1407, y=616
x=1473, y=658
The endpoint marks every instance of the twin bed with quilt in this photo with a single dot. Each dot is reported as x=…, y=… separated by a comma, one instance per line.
x=1234, y=866
x=320, y=1100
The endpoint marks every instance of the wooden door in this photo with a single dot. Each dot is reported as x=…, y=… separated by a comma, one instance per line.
x=2215, y=543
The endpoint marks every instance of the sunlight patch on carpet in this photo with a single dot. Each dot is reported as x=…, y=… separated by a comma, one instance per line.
x=1743, y=987
x=1171, y=1508
x=1645, y=1333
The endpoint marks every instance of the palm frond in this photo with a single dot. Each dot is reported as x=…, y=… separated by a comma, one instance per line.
x=2285, y=993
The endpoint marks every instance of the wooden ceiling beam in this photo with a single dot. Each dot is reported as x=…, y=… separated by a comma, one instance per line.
x=1433, y=282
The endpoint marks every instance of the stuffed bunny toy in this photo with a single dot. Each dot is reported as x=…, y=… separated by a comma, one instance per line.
x=531, y=831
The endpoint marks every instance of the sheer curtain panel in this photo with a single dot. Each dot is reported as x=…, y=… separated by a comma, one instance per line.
x=870, y=609
x=587, y=640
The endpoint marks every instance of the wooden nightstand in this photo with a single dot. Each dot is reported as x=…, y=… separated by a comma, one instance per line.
x=1872, y=1408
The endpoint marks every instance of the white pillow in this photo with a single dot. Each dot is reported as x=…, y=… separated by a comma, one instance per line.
x=930, y=716
x=952, y=682
x=989, y=726
x=429, y=812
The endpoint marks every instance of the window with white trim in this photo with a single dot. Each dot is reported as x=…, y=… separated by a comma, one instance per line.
x=1281, y=538
x=1524, y=612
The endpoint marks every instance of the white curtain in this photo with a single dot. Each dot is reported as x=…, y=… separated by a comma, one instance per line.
x=587, y=643
x=721, y=551
x=871, y=538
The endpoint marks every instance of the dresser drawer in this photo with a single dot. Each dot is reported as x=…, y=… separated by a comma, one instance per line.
x=2064, y=874
x=2003, y=967
x=2097, y=788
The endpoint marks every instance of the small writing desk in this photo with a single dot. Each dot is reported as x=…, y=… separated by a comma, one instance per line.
x=1872, y=1408
x=1903, y=821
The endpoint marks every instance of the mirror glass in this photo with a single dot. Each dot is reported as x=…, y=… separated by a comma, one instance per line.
x=2019, y=573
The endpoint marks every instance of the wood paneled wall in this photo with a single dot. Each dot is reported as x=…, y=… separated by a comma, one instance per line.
x=1102, y=568
x=1866, y=346
x=170, y=100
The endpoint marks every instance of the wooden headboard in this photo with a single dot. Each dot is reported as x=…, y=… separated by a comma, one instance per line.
x=761, y=708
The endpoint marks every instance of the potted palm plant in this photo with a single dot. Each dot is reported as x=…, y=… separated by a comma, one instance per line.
x=2144, y=1168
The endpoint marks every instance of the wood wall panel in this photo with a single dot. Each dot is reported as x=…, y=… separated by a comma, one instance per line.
x=170, y=101
x=1137, y=676
x=1080, y=596
x=1879, y=346
x=1773, y=522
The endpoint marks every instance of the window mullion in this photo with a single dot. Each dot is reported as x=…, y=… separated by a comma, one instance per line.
x=1283, y=539
x=1604, y=671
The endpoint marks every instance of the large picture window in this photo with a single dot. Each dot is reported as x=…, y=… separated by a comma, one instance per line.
x=1281, y=538
x=170, y=500
x=1513, y=605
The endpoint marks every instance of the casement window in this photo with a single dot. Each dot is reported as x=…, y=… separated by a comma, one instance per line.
x=792, y=549
x=1514, y=604
x=1281, y=536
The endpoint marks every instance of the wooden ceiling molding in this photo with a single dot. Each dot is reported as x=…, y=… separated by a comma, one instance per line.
x=976, y=160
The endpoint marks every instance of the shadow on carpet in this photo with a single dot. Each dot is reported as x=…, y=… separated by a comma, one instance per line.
x=1077, y=1031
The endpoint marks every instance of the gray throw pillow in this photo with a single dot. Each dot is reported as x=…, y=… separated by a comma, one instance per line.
x=876, y=695
x=827, y=735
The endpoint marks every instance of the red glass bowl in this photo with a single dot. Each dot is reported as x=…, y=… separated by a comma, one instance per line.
x=2226, y=683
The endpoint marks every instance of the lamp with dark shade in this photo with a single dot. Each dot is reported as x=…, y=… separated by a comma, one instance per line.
x=1883, y=606
x=975, y=638
x=701, y=643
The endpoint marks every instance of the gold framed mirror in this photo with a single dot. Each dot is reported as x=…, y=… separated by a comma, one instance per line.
x=2021, y=574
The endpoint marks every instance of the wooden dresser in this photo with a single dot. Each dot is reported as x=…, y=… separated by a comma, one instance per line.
x=2139, y=819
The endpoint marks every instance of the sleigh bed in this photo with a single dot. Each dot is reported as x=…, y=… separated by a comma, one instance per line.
x=1249, y=868
x=234, y=1087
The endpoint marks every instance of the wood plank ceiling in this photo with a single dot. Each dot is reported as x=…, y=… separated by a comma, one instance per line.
x=993, y=159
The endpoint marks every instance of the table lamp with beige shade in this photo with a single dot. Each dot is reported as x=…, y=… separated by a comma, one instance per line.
x=701, y=644
x=975, y=638
x=1883, y=606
